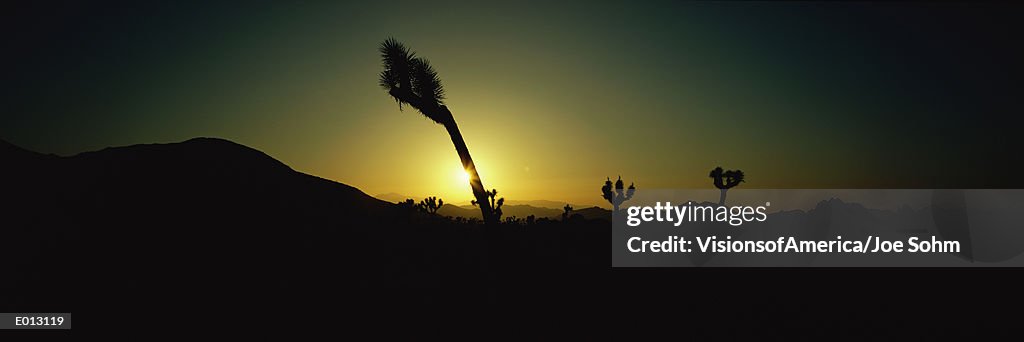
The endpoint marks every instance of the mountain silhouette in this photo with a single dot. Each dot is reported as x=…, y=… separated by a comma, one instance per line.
x=459, y=211
x=164, y=228
x=185, y=225
x=202, y=174
x=594, y=213
x=395, y=197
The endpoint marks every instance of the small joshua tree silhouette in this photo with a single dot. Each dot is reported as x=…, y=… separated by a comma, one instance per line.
x=495, y=206
x=431, y=204
x=725, y=180
x=567, y=210
x=616, y=198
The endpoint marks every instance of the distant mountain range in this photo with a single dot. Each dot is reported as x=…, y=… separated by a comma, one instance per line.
x=522, y=211
x=517, y=208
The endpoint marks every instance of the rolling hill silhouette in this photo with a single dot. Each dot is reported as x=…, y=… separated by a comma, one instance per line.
x=201, y=222
x=210, y=223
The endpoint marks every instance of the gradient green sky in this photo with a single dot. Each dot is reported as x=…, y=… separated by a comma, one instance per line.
x=551, y=98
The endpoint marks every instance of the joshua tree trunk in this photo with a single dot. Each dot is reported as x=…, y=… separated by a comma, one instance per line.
x=411, y=80
x=467, y=163
x=721, y=199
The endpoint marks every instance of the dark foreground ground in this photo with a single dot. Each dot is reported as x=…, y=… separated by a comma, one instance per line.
x=208, y=235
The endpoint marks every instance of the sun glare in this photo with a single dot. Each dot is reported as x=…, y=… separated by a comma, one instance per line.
x=462, y=176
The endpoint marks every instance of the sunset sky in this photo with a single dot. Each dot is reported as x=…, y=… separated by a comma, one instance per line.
x=551, y=98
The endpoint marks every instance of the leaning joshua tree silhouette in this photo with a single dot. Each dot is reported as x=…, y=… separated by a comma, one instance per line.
x=725, y=180
x=412, y=81
x=616, y=198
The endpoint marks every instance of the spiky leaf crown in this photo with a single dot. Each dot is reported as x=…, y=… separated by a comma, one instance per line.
x=410, y=79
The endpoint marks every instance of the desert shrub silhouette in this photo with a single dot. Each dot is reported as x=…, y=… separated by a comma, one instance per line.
x=409, y=205
x=567, y=211
x=725, y=180
x=618, y=196
x=411, y=80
